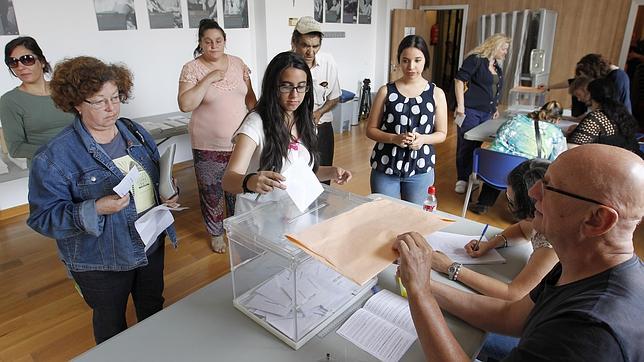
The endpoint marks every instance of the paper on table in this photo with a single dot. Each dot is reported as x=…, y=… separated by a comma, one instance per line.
x=302, y=186
x=452, y=246
x=358, y=243
x=127, y=182
x=153, y=223
x=383, y=327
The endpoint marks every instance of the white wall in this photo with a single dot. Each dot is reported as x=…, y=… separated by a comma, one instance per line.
x=68, y=28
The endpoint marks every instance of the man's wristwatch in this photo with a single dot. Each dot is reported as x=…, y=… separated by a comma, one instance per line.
x=452, y=271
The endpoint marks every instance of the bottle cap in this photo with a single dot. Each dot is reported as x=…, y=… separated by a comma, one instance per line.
x=431, y=190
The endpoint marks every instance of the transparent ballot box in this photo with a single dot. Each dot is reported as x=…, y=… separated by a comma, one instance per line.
x=526, y=99
x=277, y=284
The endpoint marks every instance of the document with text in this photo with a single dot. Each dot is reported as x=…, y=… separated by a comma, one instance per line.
x=452, y=245
x=383, y=327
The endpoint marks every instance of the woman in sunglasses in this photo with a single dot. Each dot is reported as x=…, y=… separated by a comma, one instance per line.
x=542, y=260
x=278, y=132
x=72, y=197
x=29, y=117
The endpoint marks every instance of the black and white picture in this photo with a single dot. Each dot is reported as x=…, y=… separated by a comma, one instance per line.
x=8, y=24
x=317, y=10
x=235, y=14
x=201, y=9
x=164, y=14
x=333, y=11
x=350, y=11
x=115, y=14
x=364, y=12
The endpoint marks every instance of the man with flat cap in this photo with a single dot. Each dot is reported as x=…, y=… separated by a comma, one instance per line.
x=306, y=41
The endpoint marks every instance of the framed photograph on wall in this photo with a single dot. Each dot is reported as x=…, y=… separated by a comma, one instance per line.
x=333, y=10
x=317, y=10
x=235, y=14
x=349, y=11
x=8, y=23
x=364, y=11
x=201, y=9
x=115, y=14
x=164, y=14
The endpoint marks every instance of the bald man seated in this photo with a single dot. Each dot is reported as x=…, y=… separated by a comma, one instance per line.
x=589, y=307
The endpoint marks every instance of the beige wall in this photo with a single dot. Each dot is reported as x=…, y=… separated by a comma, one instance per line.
x=583, y=27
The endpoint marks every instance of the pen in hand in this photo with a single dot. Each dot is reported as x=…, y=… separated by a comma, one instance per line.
x=476, y=246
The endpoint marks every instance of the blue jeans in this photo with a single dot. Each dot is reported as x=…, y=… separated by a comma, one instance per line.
x=465, y=148
x=107, y=292
x=497, y=347
x=412, y=189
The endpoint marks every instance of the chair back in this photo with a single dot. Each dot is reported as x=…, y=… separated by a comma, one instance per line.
x=493, y=167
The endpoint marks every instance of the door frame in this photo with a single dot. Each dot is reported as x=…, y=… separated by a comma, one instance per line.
x=628, y=32
x=465, y=9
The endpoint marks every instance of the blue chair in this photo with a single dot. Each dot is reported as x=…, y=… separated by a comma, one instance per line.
x=493, y=168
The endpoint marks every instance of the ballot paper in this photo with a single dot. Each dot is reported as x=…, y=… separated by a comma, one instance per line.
x=127, y=182
x=358, y=243
x=153, y=223
x=458, y=120
x=302, y=186
x=320, y=292
x=452, y=246
x=383, y=327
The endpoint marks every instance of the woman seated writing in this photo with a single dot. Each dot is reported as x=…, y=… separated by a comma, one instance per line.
x=518, y=136
x=277, y=132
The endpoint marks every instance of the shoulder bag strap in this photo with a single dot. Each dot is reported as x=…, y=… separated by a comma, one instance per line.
x=537, y=135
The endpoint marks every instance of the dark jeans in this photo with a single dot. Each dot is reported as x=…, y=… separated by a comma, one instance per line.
x=465, y=148
x=106, y=292
x=488, y=195
x=326, y=144
x=497, y=347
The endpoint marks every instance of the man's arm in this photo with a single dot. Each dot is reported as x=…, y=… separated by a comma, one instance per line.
x=326, y=107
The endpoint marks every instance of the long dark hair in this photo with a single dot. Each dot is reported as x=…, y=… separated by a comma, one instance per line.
x=521, y=179
x=278, y=136
x=205, y=25
x=31, y=44
x=603, y=92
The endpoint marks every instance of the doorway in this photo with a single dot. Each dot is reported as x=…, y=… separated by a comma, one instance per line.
x=443, y=28
x=633, y=59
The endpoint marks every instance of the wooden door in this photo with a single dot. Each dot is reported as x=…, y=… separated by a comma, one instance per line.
x=402, y=19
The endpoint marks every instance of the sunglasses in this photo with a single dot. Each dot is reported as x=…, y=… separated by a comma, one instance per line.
x=26, y=60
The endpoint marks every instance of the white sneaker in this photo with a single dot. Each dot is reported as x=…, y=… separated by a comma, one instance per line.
x=460, y=187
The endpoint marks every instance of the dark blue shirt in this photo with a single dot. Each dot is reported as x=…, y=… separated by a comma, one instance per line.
x=475, y=73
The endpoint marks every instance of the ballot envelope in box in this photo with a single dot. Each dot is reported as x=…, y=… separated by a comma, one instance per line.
x=277, y=284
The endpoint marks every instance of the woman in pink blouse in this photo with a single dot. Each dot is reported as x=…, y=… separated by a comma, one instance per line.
x=216, y=88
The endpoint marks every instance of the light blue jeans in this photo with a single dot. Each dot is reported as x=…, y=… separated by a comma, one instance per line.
x=412, y=189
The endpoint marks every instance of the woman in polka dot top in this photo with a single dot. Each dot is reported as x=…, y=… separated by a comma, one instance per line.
x=413, y=119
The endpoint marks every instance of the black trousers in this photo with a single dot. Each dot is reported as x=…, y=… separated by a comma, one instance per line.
x=326, y=145
x=488, y=195
x=107, y=292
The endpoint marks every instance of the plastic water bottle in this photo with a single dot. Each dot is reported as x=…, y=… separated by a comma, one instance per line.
x=431, y=203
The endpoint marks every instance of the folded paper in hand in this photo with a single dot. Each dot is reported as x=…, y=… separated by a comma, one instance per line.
x=359, y=243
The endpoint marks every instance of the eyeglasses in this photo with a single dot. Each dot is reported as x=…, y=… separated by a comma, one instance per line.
x=545, y=186
x=27, y=60
x=101, y=104
x=289, y=88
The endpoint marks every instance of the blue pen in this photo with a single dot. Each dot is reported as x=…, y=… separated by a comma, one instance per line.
x=476, y=246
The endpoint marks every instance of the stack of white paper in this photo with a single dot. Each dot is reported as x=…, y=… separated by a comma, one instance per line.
x=452, y=245
x=320, y=292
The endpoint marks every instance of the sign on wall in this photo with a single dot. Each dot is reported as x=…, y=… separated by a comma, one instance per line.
x=201, y=9
x=8, y=23
x=164, y=14
x=235, y=14
x=115, y=14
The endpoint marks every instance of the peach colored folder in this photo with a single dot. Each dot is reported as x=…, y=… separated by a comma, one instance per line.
x=358, y=243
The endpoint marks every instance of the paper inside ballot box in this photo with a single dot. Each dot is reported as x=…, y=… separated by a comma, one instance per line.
x=359, y=243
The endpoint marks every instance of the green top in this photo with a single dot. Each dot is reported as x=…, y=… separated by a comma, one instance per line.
x=29, y=121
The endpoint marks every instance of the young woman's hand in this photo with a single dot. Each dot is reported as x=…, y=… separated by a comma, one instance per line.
x=266, y=181
x=416, y=142
x=403, y=139
x=440, y=262
x=341, y=176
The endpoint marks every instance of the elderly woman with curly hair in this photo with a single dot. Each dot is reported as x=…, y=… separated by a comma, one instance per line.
x=71, y=195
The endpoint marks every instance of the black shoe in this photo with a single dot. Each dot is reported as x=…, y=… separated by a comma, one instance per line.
x=478, y=209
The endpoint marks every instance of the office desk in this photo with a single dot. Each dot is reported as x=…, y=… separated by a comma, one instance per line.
x=205, y=325
x=486, y=131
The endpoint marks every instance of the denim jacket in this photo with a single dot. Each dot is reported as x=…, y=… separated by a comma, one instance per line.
x=67, y=176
